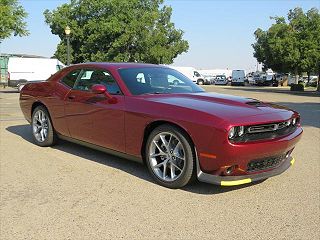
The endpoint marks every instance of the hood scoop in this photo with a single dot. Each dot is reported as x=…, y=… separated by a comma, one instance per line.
x=255, y=103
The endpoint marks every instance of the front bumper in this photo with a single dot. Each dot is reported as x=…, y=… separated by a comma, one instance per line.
x=243, y=179
x=221, y=83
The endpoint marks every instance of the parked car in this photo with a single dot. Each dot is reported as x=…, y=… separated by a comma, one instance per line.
x=256, y=77
x=209, y=78
x=262, y=80
x=312, y=82
x=278, y=79
x=221, y=80
x=179, y=131
x=270, y=77
x=250, y=79
x=238, y=77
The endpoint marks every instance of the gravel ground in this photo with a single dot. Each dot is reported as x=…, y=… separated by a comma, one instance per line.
x=72, y=192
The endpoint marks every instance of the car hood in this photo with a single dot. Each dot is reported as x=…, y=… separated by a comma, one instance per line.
x=226, y=107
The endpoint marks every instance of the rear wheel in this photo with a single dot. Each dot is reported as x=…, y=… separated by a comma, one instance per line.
x=169, y=157
x=42, y=129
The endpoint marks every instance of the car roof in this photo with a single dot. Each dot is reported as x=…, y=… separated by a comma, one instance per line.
x=117, y=65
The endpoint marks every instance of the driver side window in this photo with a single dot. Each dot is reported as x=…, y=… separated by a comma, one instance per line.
x=88, y=78
x=71, y=78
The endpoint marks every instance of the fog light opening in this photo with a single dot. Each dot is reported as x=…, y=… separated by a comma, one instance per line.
x=288, y=154
x=230, y=170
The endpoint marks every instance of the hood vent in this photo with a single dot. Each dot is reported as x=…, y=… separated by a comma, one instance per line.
x=255, y=103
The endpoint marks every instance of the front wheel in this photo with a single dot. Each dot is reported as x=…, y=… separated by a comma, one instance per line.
x=42, y=129
x=170, y=157
x=200, y=82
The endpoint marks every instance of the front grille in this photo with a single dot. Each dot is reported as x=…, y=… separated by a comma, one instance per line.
x=268, y=127
x=265, y=163
x=266, y=131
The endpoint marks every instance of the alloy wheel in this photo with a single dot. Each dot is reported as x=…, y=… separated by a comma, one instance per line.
x=40, y=126
x=167, y=156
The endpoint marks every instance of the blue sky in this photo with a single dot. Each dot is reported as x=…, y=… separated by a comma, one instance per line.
x=220, y=33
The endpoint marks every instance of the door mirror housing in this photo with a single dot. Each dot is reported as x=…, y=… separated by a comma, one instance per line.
x=102, y=89
x=98, y=89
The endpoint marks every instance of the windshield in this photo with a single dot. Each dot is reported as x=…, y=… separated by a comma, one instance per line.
x=221, y=77
x=155, y=80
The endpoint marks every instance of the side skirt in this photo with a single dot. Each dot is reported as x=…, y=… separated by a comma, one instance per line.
x=102, y=149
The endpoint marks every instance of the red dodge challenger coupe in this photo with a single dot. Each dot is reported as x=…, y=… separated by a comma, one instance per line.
x=157, y=116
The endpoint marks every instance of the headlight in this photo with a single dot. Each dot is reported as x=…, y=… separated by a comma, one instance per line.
x=288, y=123
x=294, y=121
x=232, y=132
x=236, y=131
x=240, y=131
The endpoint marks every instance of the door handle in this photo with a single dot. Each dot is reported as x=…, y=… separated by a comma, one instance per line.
x=71, y=97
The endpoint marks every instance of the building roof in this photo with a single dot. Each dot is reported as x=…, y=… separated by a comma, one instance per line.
x=21, y=55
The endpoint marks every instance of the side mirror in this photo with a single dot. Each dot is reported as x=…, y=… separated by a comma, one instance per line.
x=101, y=89
x=98, y=89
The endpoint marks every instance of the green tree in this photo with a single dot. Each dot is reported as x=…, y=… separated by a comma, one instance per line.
x=312, y=43
x=117, y=30
x=292, y=45
x=12, y=17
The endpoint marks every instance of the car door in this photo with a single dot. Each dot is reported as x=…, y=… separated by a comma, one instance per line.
x=99, y=120
x=78, y=110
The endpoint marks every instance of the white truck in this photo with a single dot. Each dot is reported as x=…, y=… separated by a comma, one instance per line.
x=22, y=70
x=192, y=74
x=238, y=77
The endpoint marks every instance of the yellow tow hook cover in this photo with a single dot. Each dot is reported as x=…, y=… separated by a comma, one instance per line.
x=235, y=183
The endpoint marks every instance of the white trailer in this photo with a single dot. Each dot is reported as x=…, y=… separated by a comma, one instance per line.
x=22, y=70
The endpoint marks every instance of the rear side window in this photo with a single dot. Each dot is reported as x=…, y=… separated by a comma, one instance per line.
x=71, y=78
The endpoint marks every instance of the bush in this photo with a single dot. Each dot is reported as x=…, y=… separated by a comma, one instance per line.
x=297, y=87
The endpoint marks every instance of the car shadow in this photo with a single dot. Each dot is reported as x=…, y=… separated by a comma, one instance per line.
x=130, y=167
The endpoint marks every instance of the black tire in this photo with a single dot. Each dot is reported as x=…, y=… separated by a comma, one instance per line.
x=51, y=137
x=200, y=82
x=188, y=173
